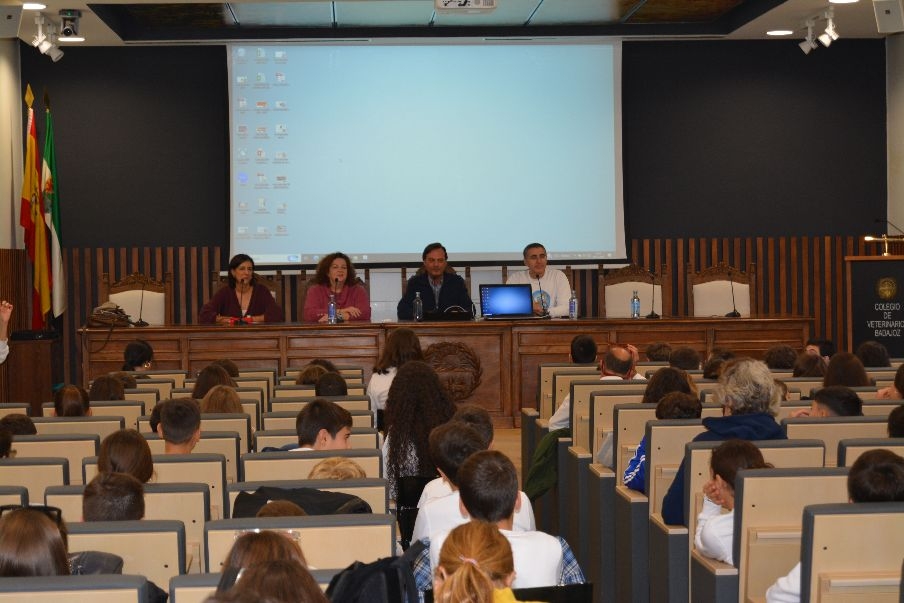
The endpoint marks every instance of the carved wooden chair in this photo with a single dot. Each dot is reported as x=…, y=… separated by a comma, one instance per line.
x=710, y=291
x=141, y=296
x=618, y=286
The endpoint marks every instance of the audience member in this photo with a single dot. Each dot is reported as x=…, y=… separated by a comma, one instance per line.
x=720, y=352
x=106, y=387
x=550, y=290
x=619, y=363
x=210, y=376
x=876, y=476
x=873, y=354
x=833, y=401
x=32, y=544
x=685, y=358
x=475, y=561
x=712, y=368
x=322, y=425
x=280, y=581
x=746, y=391
x=780, y=357
x=310, y=374
x=6, y=311
x=895, y=391
x=451, y=444
x=488, y=485
x=809, y=365
x=180, y=425
x=337, y=467
x=113, y=497
x=259, y=547
x=229, y=366
x=673, y=405
x=715, y=527
x=820, y=347
x=331, y=384
x=846, y=369
x=665, y=380
x=401, y=346
x=127, y=379
x=658, y=352
x=242, y=298
x=417, y=403
x=126, y=451
x=336, y=276
x=222, y=398
x=781, y=390
x=6, y=443
x=138, y=356
x=327, y=364
x=72, y=401
x=896, y=422
x=18, y=424
x=281, y=508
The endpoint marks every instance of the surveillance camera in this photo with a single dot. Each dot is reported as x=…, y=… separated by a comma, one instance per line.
x=68, y=29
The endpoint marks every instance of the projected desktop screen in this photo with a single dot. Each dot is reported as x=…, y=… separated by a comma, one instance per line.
x=377, y=149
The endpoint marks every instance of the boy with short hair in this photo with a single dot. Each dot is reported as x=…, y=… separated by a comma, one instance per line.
x=180, y=425
x=113, y=497
x=322, y=425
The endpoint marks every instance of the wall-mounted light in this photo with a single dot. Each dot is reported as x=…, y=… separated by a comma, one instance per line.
x=829, y=35
x=44, y=39
x=809, y=42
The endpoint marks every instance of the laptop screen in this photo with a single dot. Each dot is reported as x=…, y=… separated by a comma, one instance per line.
x=506, y=300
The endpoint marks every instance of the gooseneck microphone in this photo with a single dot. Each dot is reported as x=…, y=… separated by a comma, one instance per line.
x=140, y=322
x=734, y=308
x=542, y=299
x=653, y=315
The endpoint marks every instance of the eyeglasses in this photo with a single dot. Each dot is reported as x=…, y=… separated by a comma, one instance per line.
x=54, y=513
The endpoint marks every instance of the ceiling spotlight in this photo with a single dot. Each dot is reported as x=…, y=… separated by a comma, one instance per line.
x=33, y=6
x=69, y=27
x=809, y=42
x=54, y=53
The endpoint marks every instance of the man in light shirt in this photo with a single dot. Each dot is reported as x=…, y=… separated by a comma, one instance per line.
x=549, y=287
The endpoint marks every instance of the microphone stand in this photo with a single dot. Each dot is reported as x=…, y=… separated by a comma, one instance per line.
x=545, y=312
x=140, y=322
x=734, y=308
x=653, y=315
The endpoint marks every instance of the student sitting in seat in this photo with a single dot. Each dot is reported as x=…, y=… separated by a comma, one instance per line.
x=126, y=451
x=895, y=391
x=105, y=387
x=338, y=468
x=896, y=422
x=113, y=497
x=322, y=425
x=73, y=401
x=180, y=425
x=331, y=384
x=488, y=483
x=222, y=398
x=475, y=565
x=715, y=529
x=877, y=476
x=833, y=401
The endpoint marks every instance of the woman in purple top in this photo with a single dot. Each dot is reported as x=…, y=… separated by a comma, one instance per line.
x=242, y=298
x=336, y=275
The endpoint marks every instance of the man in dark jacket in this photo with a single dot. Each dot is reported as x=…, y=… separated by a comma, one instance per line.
x=750, y=402
x=439, y=288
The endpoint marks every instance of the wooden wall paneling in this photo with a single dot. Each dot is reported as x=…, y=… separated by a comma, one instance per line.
x=795, y=271
x=827, y=288
x=760, y=305
x=14, y=287
x=840, y=303
x=678, y=272
x=783, y=276
x=805, y=271
x=770, y=276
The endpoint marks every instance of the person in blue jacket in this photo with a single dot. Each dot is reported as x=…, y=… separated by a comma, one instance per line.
x=440, y=288
x=750, y=402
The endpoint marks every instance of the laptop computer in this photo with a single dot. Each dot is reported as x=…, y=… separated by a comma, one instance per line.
x=506, y=302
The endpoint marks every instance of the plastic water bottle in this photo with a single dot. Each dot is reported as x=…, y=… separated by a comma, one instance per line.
x=331, y=315
x=573, y=305
x=635, y=306
x=418, y=307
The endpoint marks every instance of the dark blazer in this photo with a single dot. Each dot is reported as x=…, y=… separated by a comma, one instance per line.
x=453, y=293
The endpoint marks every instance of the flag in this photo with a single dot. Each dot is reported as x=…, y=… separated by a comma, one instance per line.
x=31, y=217
x=51, y=196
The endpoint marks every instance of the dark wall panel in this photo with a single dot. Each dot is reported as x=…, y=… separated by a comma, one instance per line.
x=141, y=138
x=753, y=138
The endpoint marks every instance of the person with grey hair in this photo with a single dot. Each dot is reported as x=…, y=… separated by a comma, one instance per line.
x=749, y=402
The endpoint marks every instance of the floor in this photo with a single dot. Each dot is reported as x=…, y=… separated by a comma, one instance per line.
x=508, y=441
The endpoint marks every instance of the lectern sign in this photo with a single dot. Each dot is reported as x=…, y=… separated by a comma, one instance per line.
x=876, y=301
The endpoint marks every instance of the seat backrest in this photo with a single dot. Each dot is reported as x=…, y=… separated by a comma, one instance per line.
x=768, y=508
x=350, y=381
x=833, y=429
x=665, y=451
x=14, y=408
x=260, y=373
x=805, y=384
x=149, y=547
x=34, y=474
x=101, y=588
x=149, y=397
x=240, y=423
x=267, y=466
x=129, y=410
x=261, y=382
x=94, y=425
x=73, y=447
x=561, y=383
x=361, y=437
x=850, y=449
x=545, y=382
x=14, y=495
x=852, y=552
x=580, y=392
x=286, y=420
x=601, y=407
x=164, y=386
x=285, y=391
x=374, y=491
x=226, y=443
x=710, y=291
x=325, y=539
x=618, y=286
x=178, y=376
x=141, y=296
x=296, y=403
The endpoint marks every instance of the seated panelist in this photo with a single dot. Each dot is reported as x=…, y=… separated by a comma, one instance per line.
x=242, y=299
x=549, y=287
x=439, y=289
x=336, y=275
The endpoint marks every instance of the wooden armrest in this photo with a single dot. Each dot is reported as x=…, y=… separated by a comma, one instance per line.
x=657, y=522
x=632, y=496
x=713, y=566
x=579, y=452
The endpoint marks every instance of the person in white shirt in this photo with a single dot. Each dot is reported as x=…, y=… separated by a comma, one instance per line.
x=715, y=527
x=6, y=311
x=876, y=476
x=450, y=446
x=619, y=362
x=401, y=346
x=549, y=286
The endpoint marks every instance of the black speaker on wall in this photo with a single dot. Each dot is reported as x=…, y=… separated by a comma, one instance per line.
x=889, y=15
x=9, y=21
